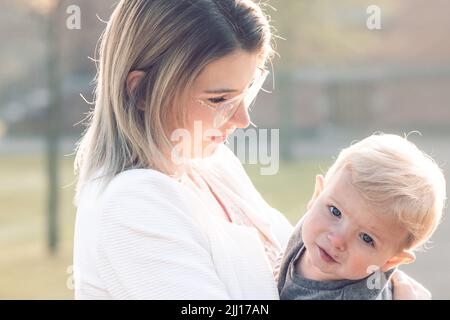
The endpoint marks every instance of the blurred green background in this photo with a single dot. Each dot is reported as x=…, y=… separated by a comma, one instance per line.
x=335, y=81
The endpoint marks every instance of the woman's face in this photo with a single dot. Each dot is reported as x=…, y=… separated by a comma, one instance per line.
x=211, y=116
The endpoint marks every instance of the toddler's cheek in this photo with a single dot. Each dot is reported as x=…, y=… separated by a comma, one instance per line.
x=309, y=233
x=306, y=229
x=358, y=268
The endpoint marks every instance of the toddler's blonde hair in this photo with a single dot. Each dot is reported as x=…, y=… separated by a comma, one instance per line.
x=393, y=174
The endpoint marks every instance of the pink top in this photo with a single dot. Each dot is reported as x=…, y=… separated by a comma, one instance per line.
x=231, y=209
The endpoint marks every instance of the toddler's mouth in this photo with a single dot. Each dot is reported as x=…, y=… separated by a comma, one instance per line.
x=325, y=256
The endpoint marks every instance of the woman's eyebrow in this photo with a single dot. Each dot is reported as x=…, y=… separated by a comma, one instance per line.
x=225, y=90
x=221, y=90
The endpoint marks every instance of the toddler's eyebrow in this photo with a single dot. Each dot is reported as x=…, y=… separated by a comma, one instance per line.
x=340, y=207
x=375, y=233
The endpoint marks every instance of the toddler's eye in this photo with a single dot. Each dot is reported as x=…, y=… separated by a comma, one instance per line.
x=367, y=239
x=335, y=211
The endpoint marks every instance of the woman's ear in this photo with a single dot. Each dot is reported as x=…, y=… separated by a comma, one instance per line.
x=404, y=257
x=320, y=183
x=133, y=79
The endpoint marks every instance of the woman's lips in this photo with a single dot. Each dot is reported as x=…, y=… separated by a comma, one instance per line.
x=219, y=139
x=325, y=256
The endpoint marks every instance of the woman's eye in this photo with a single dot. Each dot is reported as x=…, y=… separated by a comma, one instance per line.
x=367, y=239
x=335, y=211
x=217, y=100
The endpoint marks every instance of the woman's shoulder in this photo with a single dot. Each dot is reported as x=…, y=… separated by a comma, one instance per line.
x=148, y=202
x=143, y=190
x=135, y=179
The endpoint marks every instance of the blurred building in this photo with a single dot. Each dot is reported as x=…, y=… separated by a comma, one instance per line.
x=333, y=71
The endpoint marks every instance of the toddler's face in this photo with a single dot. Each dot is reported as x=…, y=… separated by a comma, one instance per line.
x=345, y=237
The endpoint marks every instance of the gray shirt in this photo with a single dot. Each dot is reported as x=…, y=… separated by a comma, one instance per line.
x=293, y=286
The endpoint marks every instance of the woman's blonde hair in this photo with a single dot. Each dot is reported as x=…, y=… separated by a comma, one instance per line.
x=171, y=41
x=391, y=173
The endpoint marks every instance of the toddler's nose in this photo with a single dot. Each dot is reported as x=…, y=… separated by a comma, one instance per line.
x=337, y=240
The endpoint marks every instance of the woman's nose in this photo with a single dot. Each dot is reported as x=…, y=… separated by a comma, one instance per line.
x=241, y=119
x=337, y=240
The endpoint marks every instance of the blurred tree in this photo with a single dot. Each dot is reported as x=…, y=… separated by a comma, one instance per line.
x=325, y=32
x=54, y=121
x=315, y=34
x=48, y=12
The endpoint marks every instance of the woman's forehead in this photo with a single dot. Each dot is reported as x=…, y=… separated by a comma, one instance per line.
x=229, y=74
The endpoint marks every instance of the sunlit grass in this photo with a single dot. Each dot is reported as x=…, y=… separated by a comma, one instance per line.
x=291, y=188
x=27, y=270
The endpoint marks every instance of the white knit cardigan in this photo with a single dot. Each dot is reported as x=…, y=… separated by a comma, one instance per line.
x=148, y=236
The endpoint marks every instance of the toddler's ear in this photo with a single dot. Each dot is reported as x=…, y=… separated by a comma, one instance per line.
x=404, y=257
x=320, y=181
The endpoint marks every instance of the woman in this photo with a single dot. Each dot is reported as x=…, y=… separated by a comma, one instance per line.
x=158, y=219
